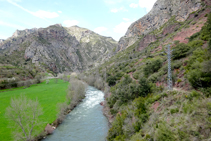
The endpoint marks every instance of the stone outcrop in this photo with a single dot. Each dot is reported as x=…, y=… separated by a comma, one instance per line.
x=49, y=129
x=59, y=48
x=161, y=12
x=146, y=41
x=1, y=41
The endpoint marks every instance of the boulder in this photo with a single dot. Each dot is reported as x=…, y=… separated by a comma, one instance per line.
x=49, y=129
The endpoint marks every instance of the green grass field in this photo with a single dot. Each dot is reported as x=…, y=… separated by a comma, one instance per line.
x=48, y=95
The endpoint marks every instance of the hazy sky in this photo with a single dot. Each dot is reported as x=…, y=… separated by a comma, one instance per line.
x=106, y=17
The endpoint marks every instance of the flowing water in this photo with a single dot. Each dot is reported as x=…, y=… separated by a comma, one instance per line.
x=85, y=123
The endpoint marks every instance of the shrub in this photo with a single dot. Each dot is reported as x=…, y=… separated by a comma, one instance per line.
x=131, y=70
x=144, y=88
x=172, y=111
x=119, y=75
x=163, y=133
x=188, y=108
x=152, y=66
x=193, y=94
x=179, y=80
x=180, y=51
x=194, y=36
x=177, y=64
x=116, y=130
x=194, y=77
x=176, y=42
x=206, y=29
x=209, y=44
x=78, y=88
x=206, y=91
x=99, y=84
x=196, y=43
x=197, y=75
x=154, y=77
x=136, y=75
x=111, y=80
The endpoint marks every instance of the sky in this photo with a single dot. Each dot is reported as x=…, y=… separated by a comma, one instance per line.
x=109, y=18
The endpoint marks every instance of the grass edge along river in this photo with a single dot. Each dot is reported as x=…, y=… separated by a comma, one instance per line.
x=48, y=95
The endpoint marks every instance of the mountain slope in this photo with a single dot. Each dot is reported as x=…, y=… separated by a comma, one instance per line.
x=138, y=103
x=56, y=48
x=162, y=11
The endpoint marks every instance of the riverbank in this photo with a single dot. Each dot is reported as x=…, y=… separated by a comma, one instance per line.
x=84, y=122
x=74, y=95
x=49, y=129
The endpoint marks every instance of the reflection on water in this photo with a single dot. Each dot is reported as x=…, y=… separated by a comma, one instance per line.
x=85, y=123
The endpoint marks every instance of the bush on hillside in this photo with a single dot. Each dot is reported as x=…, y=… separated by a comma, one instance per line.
x=196, y=43
x=152, y=66
x=144, y=88
x=209, y=44
x=180, y=51
x=163, y=133
x=206, y=29
x=196, y=73
x=194, y=36
x=111, y=80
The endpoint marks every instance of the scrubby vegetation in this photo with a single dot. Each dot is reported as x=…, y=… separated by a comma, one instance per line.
x=135, y=85
x=138, y=99
x=75, y=93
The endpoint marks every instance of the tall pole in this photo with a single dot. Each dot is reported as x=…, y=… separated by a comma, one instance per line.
x=169, y=51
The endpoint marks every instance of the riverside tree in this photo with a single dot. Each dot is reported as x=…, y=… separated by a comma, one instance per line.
x=23, y=114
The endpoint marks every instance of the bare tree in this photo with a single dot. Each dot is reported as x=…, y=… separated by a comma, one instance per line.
x=47, y=81
x=23, y=114
x=75, y=93
x=56, y=80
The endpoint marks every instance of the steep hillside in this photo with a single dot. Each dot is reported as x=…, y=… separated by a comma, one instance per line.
x=162, y=11
x=139, y=105
x=56, y=49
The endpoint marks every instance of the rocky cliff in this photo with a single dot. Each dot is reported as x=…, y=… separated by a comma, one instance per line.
x=1, y=41
x=162, y=11
x=57, y=48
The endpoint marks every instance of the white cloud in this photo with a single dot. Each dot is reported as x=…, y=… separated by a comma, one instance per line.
x=126, y=19
x=115, y=10
x=148, y=4
x=99, y=30
x=59, y=11
x=46, y=14
x=133, y=5
x=11, y=25
x=40, y=14
x=69, y=23
x=122, y=27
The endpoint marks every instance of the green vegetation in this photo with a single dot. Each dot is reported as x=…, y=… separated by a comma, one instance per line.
x=140, y=77
x=48, y=95
x=180, y=51
x=152, y=66
x=23, y=115
x=136, y=92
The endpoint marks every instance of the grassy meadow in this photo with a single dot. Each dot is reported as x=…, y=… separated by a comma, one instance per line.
x=48, y=95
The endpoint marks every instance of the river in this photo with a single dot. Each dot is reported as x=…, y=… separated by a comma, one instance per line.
x=84, y=123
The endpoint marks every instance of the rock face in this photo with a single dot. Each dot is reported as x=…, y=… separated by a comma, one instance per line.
x=1, y=41
x=59, y=48
x=161, y=12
